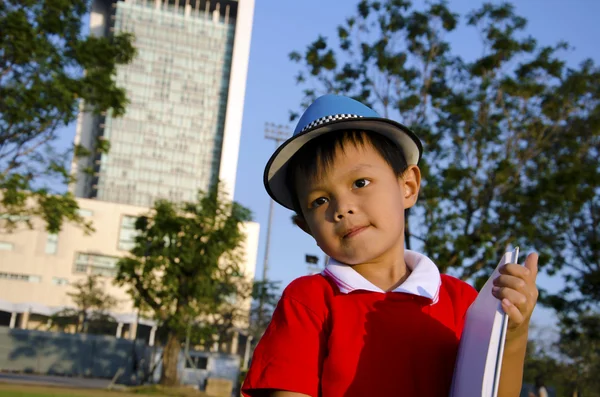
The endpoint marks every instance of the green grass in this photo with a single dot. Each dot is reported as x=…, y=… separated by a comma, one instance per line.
x=41, y=391
x=26, y=391
x=17, y=393
x=14, y=390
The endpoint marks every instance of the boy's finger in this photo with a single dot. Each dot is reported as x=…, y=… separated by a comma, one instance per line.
x=529, y=269
x=515, y=270
x=531, y=263
x=514, y=314
x=512, y=282
x=516, y=298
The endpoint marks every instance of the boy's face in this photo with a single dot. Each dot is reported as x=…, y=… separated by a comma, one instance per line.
x=355, y=208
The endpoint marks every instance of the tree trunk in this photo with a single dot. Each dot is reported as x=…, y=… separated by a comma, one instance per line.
x=168, y=376
x=81, y=322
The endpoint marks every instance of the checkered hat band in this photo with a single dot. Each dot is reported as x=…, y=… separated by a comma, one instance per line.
x=329, y=119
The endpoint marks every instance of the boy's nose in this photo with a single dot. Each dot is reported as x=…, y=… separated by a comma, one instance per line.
x=340, y=215
x=343, y=208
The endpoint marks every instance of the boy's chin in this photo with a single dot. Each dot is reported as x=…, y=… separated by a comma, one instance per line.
x=369, y=253
x=353, y=260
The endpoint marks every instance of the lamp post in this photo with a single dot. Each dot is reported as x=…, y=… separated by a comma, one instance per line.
x=277, y=133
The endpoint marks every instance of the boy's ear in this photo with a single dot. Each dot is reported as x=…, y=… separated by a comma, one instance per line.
x=301, y=223
x=411, y=181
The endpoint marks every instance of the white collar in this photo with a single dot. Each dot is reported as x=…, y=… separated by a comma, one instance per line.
x=424, y=280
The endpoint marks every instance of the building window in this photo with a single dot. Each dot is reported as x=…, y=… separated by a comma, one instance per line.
x=51, y=243
x=84, y=212
x=96, y=264
x=15, y=218
x=20, y=277
x=127, y=234
x=60, y=281
x=197, y=362
x=5, y=246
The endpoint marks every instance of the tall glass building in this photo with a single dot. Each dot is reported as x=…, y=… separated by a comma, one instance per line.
x=186, y=87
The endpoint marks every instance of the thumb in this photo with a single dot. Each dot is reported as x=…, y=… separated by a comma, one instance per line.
x=531, y=263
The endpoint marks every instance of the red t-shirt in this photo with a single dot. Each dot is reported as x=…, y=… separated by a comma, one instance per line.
x=329, y=339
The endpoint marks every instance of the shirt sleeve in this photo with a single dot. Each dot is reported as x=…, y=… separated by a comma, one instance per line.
x=290, y=354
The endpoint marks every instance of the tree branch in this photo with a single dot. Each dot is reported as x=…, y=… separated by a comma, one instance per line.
x=145, y=295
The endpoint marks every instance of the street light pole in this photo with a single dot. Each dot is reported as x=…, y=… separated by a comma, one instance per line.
x=268, y=240
x=277, y=133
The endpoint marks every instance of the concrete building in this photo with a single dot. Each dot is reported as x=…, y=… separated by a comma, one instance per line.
x=37, y=268
x=186, y=88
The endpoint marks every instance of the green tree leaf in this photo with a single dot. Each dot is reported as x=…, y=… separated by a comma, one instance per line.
x=43, y=56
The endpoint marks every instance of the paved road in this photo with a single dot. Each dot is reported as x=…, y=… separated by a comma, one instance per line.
x=82, y=383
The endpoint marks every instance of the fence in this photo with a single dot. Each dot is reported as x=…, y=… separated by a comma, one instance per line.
x=101, y=356
x=87, y=355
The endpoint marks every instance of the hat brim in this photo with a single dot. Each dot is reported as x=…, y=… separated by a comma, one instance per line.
x=276, y=169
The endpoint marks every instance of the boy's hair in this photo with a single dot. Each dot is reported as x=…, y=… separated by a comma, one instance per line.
x=319, y=154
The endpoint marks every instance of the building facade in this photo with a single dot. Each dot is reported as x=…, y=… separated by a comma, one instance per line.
x=37, y=269
x=186, y=87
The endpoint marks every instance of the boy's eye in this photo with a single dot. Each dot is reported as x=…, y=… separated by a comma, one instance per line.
x=318, y=202
x=359, y=183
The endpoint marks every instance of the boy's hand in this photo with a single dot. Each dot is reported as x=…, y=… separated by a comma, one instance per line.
x=516, y=288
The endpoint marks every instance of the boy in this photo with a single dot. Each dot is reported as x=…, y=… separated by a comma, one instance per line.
x=380, y=320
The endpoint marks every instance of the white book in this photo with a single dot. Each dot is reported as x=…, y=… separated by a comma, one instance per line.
x=479, y=359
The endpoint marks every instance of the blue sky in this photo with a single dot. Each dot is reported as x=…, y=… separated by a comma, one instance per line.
x=283, y=26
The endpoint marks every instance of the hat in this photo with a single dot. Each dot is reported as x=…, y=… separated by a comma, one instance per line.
x=331, y=113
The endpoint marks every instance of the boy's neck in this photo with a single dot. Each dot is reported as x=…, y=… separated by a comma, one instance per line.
x=385, y=273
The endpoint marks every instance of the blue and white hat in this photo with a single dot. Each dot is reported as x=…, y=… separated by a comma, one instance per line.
x=332, y=113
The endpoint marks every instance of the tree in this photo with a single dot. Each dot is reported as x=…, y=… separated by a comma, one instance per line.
x=571, y=363
x=43, y=56
x=92, y=305
x=266, y=295
x=220, y=324
x=540, y=364
x=510, y=138
x=579, y=200
x=185, y=267
x=580, y=344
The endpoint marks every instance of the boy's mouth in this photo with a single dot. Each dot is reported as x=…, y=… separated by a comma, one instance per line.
x=354, y=231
